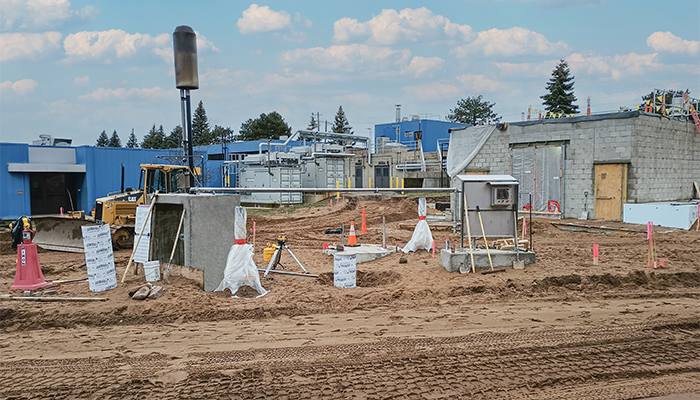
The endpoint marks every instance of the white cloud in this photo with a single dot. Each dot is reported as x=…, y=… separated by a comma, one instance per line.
x=257, y=19
x=21, y=86
x=527, y=70
x=434, y=91
x=509, y=42
x=114, y=42
x=668, y=42
x=41, y=14
x=422, y=66
x=16, y=46
x=350, y=58
x=617, y=67
x=479, y=83
x=81, y=80
x=151, y=95
x=408, y=25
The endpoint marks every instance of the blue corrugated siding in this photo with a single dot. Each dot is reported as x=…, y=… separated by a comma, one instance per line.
x=432, y=131
x=103, y=173
x=14, y=188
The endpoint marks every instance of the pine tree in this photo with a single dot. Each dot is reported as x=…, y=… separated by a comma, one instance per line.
x=114, y=140
x=266, y=126
x=174, y=140
x=103, y=140
x=313, y=124
x=475, y=111
x=201, y=135
x=154, y=139
x=340, y=124
x=132, y=143
x=560, y=98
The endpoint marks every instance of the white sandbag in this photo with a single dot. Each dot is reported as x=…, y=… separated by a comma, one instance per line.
x=422, y=237
x=239, y=232
x=241, y=271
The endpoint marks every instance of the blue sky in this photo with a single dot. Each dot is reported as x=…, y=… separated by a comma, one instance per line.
x=72, y=69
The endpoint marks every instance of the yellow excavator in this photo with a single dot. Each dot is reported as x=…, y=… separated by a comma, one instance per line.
x=117, y=209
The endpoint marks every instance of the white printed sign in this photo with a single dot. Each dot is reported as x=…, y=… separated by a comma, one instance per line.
x=99, y=258
x=142, y=252
x=344, y=271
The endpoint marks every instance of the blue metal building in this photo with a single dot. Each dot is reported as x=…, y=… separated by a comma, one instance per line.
x=406, y=133
x=41, y=179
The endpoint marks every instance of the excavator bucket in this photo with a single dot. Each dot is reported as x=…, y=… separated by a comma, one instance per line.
x=60, y=234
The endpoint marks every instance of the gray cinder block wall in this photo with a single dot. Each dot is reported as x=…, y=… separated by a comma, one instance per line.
x=663, y=155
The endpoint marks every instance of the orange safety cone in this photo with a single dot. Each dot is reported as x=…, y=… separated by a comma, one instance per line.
x=28, y=275
x=352, y=239
x=364, y=221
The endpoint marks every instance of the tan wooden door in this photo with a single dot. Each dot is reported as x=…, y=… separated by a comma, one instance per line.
x=610, y=191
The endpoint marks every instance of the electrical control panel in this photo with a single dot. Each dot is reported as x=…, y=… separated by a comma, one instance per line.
x=502, y=195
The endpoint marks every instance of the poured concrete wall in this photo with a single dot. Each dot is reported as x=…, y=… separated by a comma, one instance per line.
x=663, y=155
x=207, y=232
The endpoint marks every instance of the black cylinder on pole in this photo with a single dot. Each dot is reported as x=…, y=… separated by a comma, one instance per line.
x=185, y=51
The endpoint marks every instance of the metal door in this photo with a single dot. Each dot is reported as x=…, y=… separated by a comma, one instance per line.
x=381, y=176
x=335, y=172
x=610, y=191
x=358, y=176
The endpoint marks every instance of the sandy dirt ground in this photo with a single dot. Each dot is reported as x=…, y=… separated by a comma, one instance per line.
x=562, y=328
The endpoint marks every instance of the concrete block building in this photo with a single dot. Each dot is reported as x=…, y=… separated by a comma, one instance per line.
x=600, y=161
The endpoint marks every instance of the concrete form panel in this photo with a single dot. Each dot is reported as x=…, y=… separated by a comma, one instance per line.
x=208, y=231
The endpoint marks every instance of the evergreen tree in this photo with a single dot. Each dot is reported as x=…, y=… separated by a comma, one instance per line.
x=132, y=143
x=340, y=124
x=201, y=136
x=560, y=98
x=313, y=124
x=174, y=140
x=154, y=139
x=473, y=110
x=114, y=140
x=222, y=135
x=103, y=140
x=267, y=125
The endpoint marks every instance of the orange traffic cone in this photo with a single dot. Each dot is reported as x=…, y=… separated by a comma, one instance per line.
x=364, y=222
x=352, y=239
x=28, y=275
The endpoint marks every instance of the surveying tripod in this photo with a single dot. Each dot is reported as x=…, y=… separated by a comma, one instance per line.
x=277, y=255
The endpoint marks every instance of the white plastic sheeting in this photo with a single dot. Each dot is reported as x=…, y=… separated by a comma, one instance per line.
x=422, y=237
x=538, y=170
x=240, y=268
x=241, y=271
x=464, y=146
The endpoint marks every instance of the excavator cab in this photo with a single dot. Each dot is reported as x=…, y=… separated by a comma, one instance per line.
x=164, y=179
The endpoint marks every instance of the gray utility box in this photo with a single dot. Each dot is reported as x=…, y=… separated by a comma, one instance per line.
x=496, y=197
x=271, y=170
x=206, y=235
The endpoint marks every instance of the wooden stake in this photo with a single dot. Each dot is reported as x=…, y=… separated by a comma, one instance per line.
x=483, y=233
x=595, y=254
x=469, y=231
x=166, y=277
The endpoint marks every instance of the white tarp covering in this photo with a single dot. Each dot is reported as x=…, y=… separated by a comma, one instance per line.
x=422, y=237
x=240, y=268
x=241, y=271
x=464, y=145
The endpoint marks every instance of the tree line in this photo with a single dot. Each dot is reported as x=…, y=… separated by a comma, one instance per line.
x=266, y=126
